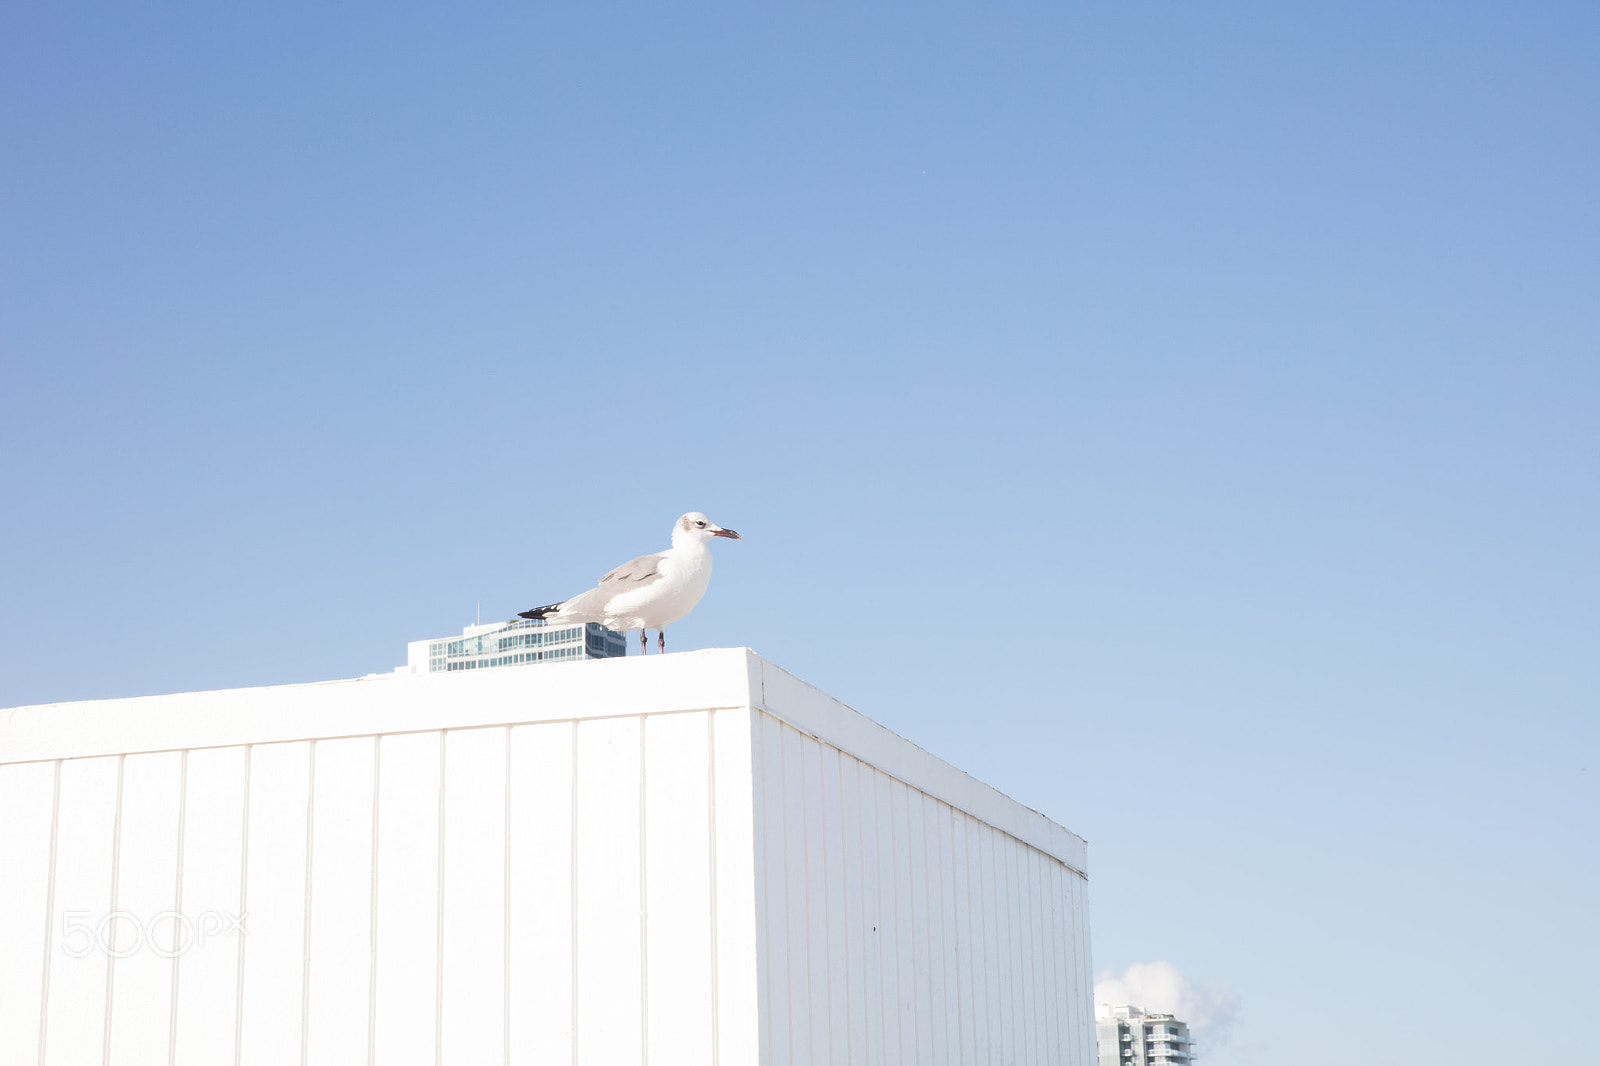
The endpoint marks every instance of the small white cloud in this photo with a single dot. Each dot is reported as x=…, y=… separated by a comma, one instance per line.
x=1159, y=987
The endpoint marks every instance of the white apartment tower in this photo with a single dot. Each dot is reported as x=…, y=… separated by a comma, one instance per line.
x=1127, y=1036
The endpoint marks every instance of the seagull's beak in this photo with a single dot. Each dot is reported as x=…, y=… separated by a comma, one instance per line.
x=720, y=532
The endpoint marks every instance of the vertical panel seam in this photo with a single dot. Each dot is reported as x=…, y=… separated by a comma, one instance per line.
x=1047, y=939
x=1063, y=983
x=927, y=931
x=372, y=906
x=1014, y=902
x=572, y=894
x=844, y=894
x=867, y=914
x=883, y=995
x=1053, y=893
x=923, y=930
x=805, y=871
x=49, y=908
x=505, y=939
x=788, y=883
x=711, y=831
x=1019, y=986
x=955, y=948
x=1024, y=951
x=827, y=891
x=111, y=927
x=758, y=788
x=644, y=914
x=438, y=912
x=305, y=934
x=1083, y=1021
x=177, y=907
x=998, y=1009
x=1025, y=948
x=1036, y=941
x=948, y=978
x=975, y=935
x=244, y=899
x=1077, y=969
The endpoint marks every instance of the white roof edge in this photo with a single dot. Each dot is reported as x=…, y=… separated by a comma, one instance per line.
x=387, y=703
x=593, y=688
x=809, y=709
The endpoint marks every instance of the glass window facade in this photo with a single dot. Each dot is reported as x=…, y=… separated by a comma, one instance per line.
x=526, y=640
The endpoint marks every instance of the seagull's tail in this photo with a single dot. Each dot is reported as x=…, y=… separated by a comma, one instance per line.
x=541, y=612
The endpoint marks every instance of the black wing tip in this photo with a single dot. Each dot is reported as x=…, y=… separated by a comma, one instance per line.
x=539, y=613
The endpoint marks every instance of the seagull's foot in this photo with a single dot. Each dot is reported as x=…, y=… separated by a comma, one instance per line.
x=661, y=640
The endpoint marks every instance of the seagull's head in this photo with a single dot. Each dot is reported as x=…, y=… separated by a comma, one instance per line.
x=696, y=528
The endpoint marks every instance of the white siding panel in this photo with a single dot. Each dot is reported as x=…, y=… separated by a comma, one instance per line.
x=831, y=842
x=797, y=955
x=610, y=978
x=903, y=930
x=1065, y=933
x=1068, y=975
x=995, y=974
x=1051, y=912
x=736, y=929
x=1042, y=1020
x=873, y=857
x=541, y=893
x=858, y=934
x=1025, y=955
x=678, y=874
x=940, y=974
x=813, y=882
x=339, y=968
x=213, y=840
x=1076, y=1021
x=406, y=990
x=27, y=806
x=1080, y=1045
x=473, y=1015
x=949, y=875
x=1032, y=964
x=977, y=943
x=920, y=926
x=1051, y=877
x=898, y=918
x=275, y=902
x=960, y=937
x=85, y=843
x=1021, y=986
x=889, y=909
x=774, y=894
x=1082, y=1012
x=146, y=937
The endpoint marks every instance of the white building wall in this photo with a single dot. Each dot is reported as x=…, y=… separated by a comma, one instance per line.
x=683, y=859
x=897, y=928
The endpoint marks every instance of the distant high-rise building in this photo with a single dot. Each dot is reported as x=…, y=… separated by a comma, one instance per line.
x=1127, y=1036
x=524, y=640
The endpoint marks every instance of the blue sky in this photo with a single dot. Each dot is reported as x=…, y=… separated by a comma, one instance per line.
x=1182, y=416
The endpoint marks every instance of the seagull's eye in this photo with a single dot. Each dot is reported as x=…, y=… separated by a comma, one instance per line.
x=702, y=525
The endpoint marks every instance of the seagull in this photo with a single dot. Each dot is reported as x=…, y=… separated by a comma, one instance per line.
x=651, y=591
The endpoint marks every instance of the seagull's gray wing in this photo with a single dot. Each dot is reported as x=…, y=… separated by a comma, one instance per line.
x=632, y=575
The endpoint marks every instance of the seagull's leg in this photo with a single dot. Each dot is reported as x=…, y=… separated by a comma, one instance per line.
x=644, y=642
x=661, y=639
